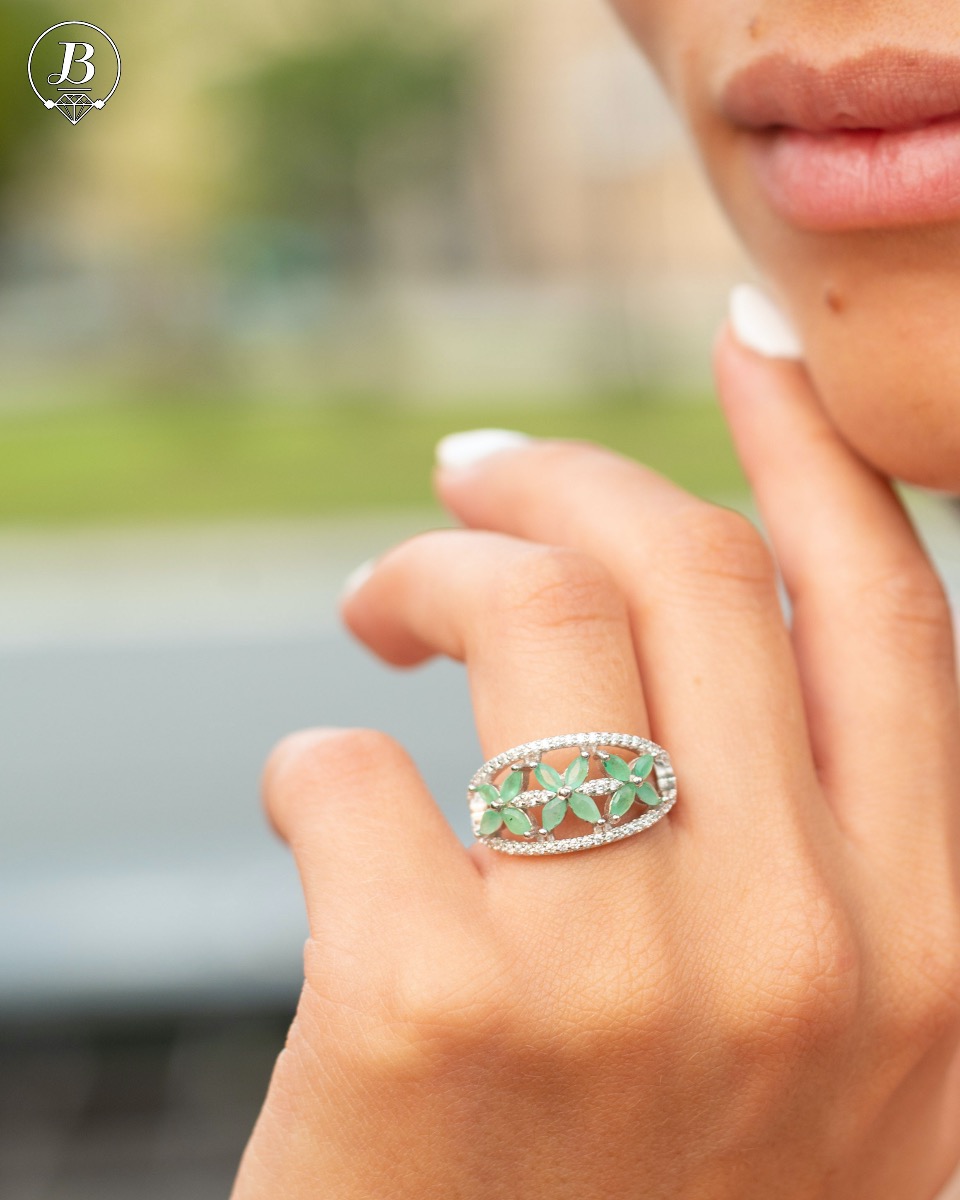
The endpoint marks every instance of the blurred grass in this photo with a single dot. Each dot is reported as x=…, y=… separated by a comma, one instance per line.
x=196, y=458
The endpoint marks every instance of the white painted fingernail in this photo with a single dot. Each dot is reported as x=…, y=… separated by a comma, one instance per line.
x=358, y=577
x=760, y=325
x=458, y=450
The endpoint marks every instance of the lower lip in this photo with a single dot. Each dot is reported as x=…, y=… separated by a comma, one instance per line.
x=861, y=178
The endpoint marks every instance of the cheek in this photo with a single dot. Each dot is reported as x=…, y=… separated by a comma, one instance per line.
x=884, y=353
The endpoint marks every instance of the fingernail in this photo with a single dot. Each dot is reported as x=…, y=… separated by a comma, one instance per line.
x=458, y=450
x=357, y=578
x=760, y=325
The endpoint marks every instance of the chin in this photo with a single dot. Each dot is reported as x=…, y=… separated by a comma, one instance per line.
x=896, y=402
x=879, y=318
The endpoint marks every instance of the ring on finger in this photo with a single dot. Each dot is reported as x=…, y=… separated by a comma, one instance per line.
x=518, y=802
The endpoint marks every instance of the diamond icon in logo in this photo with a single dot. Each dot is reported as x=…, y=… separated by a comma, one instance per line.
x=74, y=106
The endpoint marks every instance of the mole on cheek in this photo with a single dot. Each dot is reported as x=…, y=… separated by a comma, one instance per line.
x=834, y=299
x=755, y=28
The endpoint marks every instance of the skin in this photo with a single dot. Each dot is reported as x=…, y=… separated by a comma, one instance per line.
x=760, y=995
x=877, y=310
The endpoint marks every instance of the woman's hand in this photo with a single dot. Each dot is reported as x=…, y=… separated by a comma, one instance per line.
x=759, y=997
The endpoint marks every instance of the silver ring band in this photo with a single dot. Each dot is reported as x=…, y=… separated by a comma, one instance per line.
x=518, y=802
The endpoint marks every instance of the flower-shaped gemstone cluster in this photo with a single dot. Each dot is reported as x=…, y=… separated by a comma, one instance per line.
x=500, y=807
x=633, y=786
x=565, y=792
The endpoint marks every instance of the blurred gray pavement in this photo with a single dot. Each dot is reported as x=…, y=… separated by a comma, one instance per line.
x=144, y=676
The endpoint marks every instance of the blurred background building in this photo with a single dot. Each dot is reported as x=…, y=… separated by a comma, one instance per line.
x=498, y=199
x=237, y=308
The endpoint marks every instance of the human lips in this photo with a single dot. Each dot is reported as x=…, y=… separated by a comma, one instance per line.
x=885, y=89
x=873, y=141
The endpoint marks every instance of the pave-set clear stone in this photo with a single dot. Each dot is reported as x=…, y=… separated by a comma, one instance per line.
x=527, y=758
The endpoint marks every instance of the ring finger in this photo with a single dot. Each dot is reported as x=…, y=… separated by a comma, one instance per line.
x=713, y=649
x=545, y=635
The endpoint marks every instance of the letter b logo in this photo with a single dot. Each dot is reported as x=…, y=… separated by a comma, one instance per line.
x=70, y=57
x=74, y=67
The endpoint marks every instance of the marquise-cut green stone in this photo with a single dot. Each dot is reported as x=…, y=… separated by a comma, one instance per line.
x=490, y=822
x=622, y=799
x=517, y=820
x=617, y=768
x=511, y=787
x=585, y=807
x=489, y=793
x=648, y=794
x=642, y=767
x=553, y=813
x=577, y=772
x=552, y=780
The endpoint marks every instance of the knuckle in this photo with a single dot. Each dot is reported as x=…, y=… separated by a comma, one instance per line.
x=449, y=1012
x=712, y=545
x=802, y=984
x=321, y=760
x=555, y=587
x=427, y=1020
x=910, y=596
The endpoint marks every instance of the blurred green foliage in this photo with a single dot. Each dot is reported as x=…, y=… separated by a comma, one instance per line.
x=23, y=121
x=376, y=105
x=222, y=458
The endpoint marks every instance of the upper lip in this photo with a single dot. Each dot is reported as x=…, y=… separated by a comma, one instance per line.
x=885, y=89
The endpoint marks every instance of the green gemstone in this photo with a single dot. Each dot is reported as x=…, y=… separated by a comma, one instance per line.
x=617, y=768
x=577, y=772
x=585, y=807
x=552, y=780
x=511, y=787
x=641, y=767
x=648, y=794
x=490, y=822
x=489, y=793
x=517, y=820
x=553, y=813
x=622, y=799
